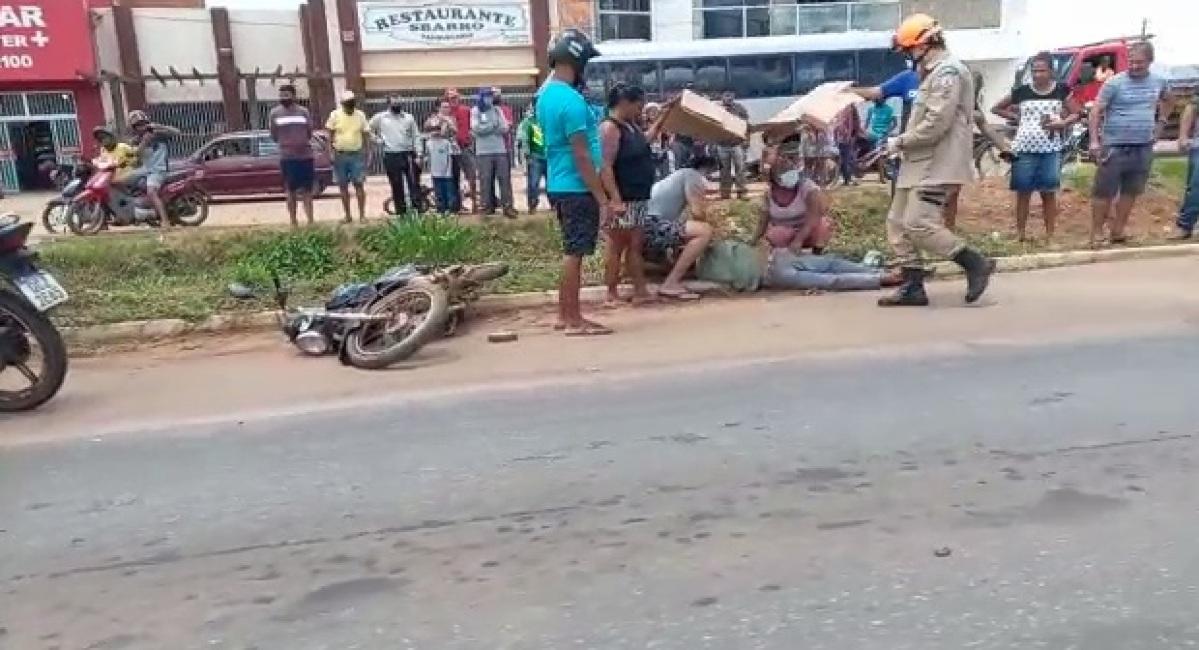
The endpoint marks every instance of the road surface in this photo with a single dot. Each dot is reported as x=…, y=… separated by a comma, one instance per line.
x=1029, y=491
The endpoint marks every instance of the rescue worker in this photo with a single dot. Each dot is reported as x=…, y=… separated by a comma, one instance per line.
x=936, y=148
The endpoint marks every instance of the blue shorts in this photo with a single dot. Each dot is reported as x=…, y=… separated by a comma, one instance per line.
x=1037, y=172
x=298, y=175
x=349, y=167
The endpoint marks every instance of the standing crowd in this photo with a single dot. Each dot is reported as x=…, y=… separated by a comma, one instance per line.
x=615, y=172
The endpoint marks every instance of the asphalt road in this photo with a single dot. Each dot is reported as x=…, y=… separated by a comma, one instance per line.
x=1002, y=496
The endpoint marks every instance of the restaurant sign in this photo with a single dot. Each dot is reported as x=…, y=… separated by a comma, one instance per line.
x=398, y=25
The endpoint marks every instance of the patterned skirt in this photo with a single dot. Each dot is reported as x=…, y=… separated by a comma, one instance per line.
x=634, y=216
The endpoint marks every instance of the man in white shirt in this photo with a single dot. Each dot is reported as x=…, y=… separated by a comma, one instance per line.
x=398, y=134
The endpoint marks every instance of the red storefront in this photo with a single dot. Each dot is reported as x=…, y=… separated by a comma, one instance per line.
x=49, y=96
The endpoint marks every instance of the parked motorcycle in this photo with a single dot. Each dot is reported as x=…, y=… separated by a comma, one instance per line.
x=376, y=324
x=27, y=293
x=70, y=183
x=100, y=205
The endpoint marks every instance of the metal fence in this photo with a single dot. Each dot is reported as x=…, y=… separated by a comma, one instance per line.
x=203, y=121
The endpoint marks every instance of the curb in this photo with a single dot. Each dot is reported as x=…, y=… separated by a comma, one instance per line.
x=149, y=330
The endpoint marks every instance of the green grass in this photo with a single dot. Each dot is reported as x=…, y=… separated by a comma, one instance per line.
x=185, y=275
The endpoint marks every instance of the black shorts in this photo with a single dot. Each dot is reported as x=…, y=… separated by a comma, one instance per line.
x=298, y=175
x=579, y=219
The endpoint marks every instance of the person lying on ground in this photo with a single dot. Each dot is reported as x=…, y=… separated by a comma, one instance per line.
x=795, y=217
x=675, y=226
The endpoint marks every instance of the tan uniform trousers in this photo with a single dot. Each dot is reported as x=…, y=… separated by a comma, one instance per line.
x=916, y=225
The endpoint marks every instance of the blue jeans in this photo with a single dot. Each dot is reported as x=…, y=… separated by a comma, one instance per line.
x=446, y=191
x=1188, y=214
x=822, y=272
x=1037, y=172
x=534, y=174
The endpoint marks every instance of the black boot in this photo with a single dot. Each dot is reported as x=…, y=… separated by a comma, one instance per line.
x=910, y=293
x=978, y=272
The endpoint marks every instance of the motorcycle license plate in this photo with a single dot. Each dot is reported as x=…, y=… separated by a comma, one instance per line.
x=42, y=290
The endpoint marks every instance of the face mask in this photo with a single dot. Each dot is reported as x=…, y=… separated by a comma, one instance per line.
x=789, y=179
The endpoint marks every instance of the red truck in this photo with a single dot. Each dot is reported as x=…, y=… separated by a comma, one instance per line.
x=1077, y=67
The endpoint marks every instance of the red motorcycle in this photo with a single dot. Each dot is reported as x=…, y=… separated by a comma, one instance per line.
x=100, y=204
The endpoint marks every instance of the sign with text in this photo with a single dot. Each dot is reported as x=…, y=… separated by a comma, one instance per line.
x=417, y=25
x=45, y=40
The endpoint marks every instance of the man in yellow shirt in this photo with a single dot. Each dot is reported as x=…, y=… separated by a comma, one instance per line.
x=349, y=128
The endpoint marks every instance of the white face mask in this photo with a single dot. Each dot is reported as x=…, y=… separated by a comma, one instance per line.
x=789, y=179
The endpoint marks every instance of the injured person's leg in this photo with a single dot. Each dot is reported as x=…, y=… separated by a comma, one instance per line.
x=787, y=270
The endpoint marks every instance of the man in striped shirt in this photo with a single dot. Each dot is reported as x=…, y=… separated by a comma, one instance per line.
x=291, y=129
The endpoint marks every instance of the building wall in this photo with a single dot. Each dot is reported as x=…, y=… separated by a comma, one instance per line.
x=959, y=14
x=183, y=38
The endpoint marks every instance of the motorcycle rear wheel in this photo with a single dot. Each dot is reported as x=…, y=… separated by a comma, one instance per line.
x=196, y=200
x=19, y=318
x=419, y=313
x=85, y=218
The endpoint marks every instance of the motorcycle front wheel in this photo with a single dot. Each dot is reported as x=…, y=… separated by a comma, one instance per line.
x=416, y=314
x=85, y=218
x=189, y=210
x=54, y=217
x=24, y=385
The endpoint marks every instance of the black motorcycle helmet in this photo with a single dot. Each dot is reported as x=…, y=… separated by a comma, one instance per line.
x=574, y=47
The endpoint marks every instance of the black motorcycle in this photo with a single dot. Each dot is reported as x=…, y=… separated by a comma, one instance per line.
x=373, y=325
x=33, y=357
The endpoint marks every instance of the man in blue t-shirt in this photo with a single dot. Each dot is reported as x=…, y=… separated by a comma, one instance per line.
x=572, y=155
x=1130, y=113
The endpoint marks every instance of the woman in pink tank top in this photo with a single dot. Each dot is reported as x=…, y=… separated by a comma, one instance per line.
x=794, y=218
x=794, y=209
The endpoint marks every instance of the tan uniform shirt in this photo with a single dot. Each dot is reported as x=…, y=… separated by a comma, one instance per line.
x=938, y=143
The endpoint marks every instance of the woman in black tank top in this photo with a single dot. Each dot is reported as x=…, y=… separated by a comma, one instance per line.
x=628, y=177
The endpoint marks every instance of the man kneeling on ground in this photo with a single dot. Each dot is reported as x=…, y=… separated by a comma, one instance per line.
x=675, y=227
x=794, y=217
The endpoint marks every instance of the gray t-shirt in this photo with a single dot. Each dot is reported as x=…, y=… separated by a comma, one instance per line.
x=1131, y=115
x=668, y=198
x=490, y=130
x=440, y=152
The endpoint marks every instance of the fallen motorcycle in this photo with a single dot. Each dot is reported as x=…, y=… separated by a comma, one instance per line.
x=27, y=380
x=376, y=324
x=100, y=205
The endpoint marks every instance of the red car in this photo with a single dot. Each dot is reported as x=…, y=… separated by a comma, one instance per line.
x=246, y=163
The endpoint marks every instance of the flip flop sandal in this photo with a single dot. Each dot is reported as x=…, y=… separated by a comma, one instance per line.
x=590, y=329
x=681, y=295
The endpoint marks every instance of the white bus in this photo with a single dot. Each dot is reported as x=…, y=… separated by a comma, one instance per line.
x=765, y=73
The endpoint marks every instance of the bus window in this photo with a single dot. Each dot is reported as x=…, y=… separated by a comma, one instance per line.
x=711, y=75
x=813, y=69
x=677, y=75
x=877, y=66
x=761, y=76
x=637, y=73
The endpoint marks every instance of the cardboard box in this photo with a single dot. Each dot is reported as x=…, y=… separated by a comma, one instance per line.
x=819, y=108
x=699, y=117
